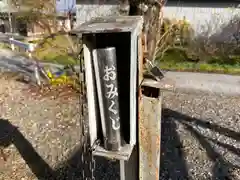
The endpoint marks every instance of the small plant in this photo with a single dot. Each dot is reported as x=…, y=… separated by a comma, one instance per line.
x=180, y=48
x=174, y=34
x=65, y=76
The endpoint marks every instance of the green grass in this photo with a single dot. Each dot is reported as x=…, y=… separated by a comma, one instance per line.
x=55, y=51
x=178, y=60
x=59, y=59
x=4, y=46
x=201, y=67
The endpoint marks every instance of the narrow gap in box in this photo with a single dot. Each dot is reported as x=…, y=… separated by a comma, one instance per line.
x=150, y=91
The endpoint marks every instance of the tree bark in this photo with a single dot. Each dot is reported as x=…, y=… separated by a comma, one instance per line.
x=152, y=12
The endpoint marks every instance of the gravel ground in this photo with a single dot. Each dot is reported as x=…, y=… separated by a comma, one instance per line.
x=200, y=137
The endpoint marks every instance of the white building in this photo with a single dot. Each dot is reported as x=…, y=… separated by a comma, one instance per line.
x=207, y=17
x=210, y=16
x=66, y=6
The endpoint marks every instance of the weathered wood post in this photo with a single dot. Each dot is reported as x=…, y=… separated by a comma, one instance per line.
x=124, y=109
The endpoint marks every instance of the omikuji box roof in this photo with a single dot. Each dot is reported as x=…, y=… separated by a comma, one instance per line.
x=110, y=24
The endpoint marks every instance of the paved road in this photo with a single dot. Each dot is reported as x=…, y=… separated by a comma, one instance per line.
x=212, y=83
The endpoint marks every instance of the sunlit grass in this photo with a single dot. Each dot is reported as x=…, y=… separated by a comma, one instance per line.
x=55, y=50
x=201, y=67
x=177, y=59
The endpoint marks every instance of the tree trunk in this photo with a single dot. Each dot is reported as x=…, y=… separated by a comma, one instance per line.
x=152, y=12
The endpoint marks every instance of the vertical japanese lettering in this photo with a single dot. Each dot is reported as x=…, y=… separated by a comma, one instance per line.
x=111, y=109
x=109, y=73
x=115, y=123
x=112, y=92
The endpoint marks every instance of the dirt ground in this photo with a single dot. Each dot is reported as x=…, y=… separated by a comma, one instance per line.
x=40, y=134
x=44, y=128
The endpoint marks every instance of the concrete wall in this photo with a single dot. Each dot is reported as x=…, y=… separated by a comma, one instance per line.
x=85, y=12
x=66, y=5
x=207, y=19
x=204, y=17
x=2, y=5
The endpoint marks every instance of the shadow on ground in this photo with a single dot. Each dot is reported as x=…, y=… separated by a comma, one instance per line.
x=173, y=165
x=70, y=169
x=10, y=134
x=173, y=158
